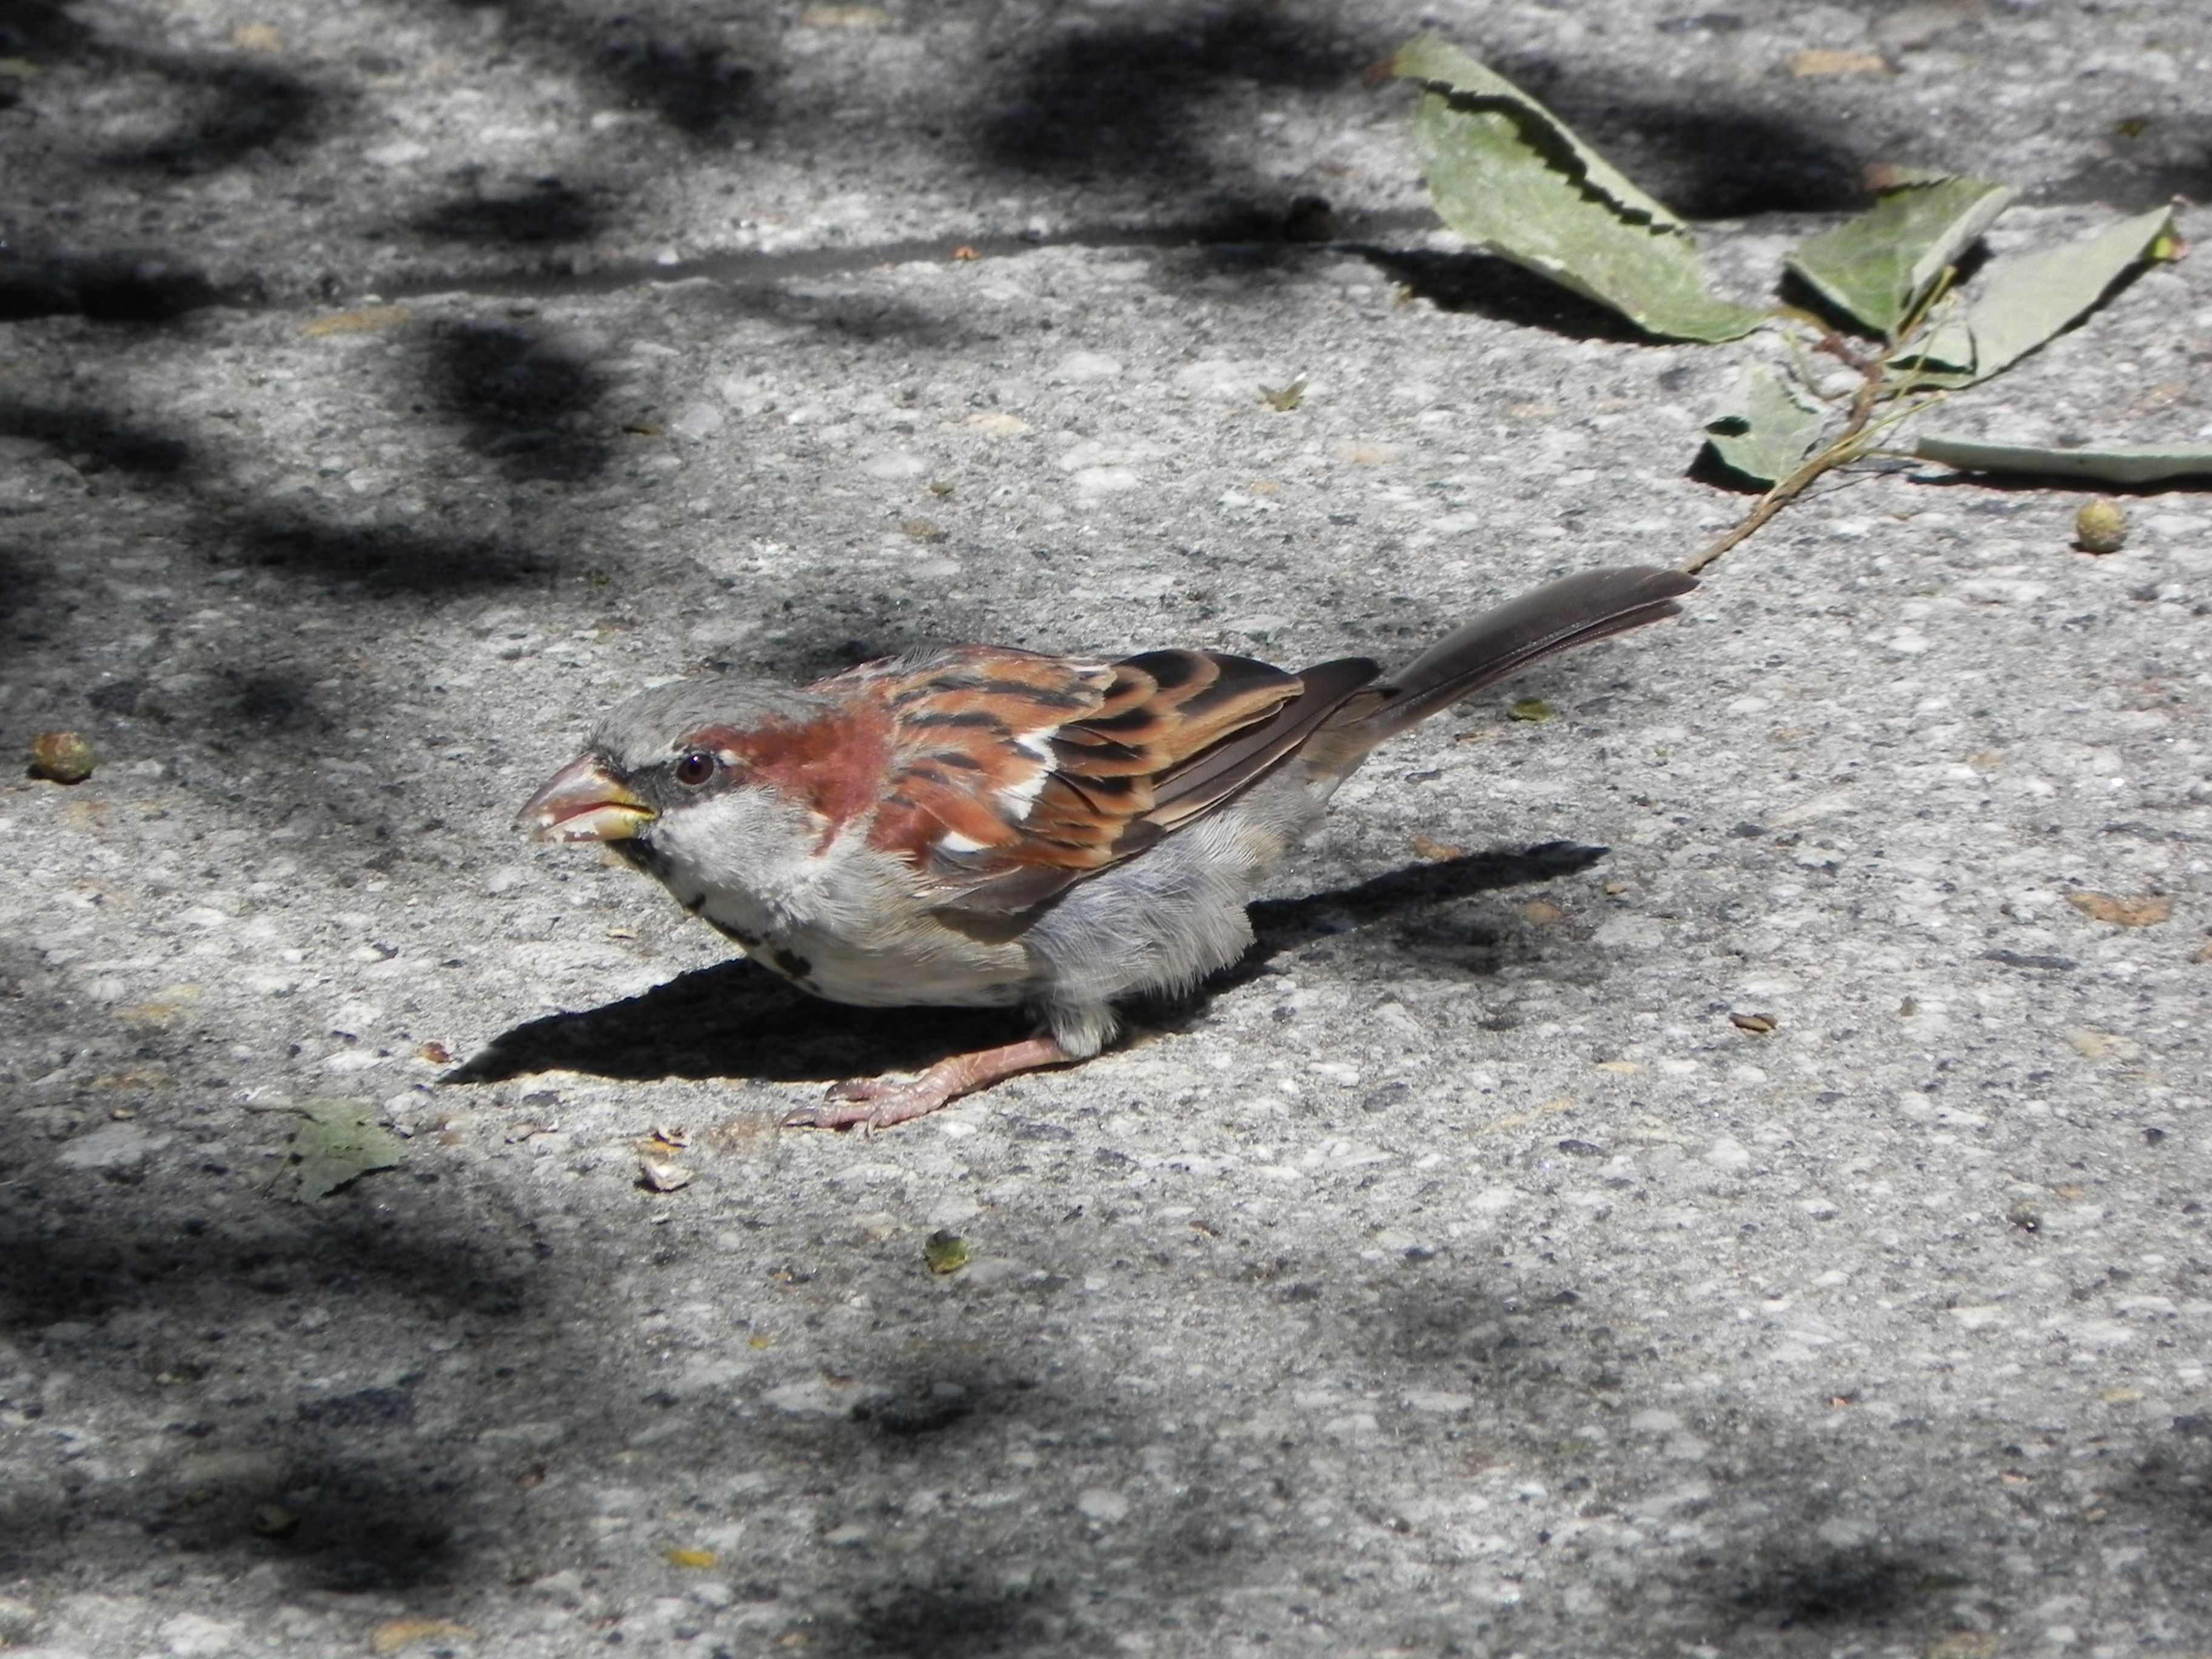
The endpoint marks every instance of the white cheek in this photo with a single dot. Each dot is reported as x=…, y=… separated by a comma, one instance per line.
x=742, y=839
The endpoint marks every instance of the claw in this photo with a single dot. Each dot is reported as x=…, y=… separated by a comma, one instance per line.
x=874, y=1102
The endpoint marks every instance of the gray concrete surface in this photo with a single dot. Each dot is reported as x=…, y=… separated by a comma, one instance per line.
x=1457, y=1279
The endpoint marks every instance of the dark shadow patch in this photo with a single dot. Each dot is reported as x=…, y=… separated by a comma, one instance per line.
x=122, y=286
x=548, y=211
x=700, y=86
x=95, y=442
x=525, y=395
x=273, y=702
x=85, y=1276
x=333, y=1522
x=1706, y=467
x=1860, y=1589
x=386, y=560
x=1418, y=896
x=1498, y=289
x=1701, y=152
x=1124, y=102
x=956, y=1618
x=21, y=579
x=42, y=32
x=2135, y=184
x=232, y=112
x=737, y=1020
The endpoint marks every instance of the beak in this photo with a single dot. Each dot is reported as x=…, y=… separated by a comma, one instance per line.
x=584, y=802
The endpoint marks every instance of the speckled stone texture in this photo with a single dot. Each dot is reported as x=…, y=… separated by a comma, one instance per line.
x=388, y=387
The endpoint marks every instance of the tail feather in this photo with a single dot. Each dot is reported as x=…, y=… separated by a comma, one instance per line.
x=1575, y=610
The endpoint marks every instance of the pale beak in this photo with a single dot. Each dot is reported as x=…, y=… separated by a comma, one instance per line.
x=584, y=802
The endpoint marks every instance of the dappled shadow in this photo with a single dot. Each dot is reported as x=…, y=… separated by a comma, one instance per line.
x=121, y=285
x=2132, y=182
x=526, y=394
x=1794, y=1588
x=1124, y=102
x=231, y=112
x=547, y=211
x=96, y=441
x=1699, y=149
x=738, y=1020
x=383, y=559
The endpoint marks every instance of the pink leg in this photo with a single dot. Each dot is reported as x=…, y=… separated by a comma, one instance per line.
x=876, y=1103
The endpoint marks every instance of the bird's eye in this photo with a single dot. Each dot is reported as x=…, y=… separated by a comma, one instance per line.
x=694, y=768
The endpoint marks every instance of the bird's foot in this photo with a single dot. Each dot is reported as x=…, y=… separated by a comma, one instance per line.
x=879, y=1103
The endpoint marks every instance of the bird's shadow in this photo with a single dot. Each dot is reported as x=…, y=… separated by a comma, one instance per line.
x=737, y=1020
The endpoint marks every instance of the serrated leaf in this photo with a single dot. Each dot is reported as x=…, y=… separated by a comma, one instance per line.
x=1878, y=267
x=1517, y=182
x=2128, y=464
x=339, y=1142
x=1769, y=429
x=2023, y=302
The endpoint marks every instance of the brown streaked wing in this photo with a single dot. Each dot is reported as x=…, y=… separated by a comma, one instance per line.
x=958, y=764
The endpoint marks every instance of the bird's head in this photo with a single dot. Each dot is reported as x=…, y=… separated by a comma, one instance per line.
x=665, y=754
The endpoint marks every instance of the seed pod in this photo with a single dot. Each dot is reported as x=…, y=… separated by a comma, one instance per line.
x=2101, y=526
x=64, y=757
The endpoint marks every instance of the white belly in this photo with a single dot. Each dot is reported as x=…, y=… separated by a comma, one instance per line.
x=919, y=964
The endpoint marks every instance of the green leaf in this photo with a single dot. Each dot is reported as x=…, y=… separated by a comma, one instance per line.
x=1878, y=268
x=1531, y=708
x=2132, y=464
x=1771, y=428
x=1515, y=181
x=2024, y=302
x=339, y=1142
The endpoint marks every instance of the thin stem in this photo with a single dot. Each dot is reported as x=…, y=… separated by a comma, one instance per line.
x=1856, y=439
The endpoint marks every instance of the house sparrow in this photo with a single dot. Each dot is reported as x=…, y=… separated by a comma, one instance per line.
x=983, y=827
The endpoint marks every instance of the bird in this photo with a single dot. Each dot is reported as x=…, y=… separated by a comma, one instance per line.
x=984, y=827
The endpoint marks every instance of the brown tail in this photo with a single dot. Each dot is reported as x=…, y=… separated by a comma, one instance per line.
x=1574, y=611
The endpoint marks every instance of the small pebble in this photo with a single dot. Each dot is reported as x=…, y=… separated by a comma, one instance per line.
x=63, y=756
x=2101, y=526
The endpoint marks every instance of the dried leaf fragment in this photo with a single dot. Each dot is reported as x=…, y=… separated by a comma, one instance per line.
x=661, y=1177
x=946, y=1252
x=1878, y=268
x=2147, y=911
x=394, y=1634
x=2024, y=302
x=1434, y=850
x=2110, y=464
x=62, y=757
x=339, y=1142
x=1822, y=61
x=1515, y=181
x=964, y=254
x=365, y=320
x=691, y=1557
x=1769, y=428
x=1540, y=912
x=434, y=1054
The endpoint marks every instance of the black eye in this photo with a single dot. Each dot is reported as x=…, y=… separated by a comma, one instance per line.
x=694, y=768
